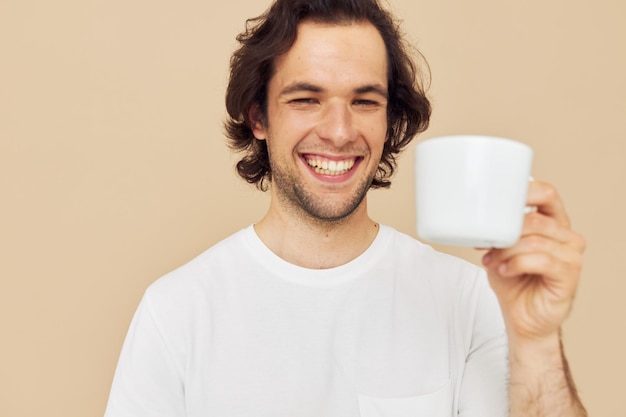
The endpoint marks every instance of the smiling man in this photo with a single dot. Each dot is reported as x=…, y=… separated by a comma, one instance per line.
x=325, y=130
x=317, y=310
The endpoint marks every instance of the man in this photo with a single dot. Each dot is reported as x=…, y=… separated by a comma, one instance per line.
x=317, y=310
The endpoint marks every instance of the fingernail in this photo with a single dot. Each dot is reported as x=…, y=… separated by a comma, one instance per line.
x=502, y=268
x=487, y=259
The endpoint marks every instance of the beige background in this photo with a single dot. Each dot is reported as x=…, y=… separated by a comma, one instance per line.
x=113, y=168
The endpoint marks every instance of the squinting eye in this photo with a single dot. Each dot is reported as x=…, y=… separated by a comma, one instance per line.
x=303, y=101
x=368, y=103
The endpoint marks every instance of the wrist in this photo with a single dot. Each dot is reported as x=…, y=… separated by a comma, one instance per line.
x=547, y=344
x=535, y=358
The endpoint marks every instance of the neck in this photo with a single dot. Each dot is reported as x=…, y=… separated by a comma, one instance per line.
x=314, y=243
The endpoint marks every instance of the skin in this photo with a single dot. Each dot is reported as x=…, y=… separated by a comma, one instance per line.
x=327, y=103
x=536, y=282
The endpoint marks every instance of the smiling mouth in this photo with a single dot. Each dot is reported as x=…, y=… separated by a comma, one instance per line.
x=325, y=166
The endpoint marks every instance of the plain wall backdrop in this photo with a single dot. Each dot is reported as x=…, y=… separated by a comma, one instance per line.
x=114, y=169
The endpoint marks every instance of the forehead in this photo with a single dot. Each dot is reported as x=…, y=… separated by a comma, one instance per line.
x=334, y=54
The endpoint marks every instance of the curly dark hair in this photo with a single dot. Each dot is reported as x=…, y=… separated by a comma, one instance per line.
x=272, y=34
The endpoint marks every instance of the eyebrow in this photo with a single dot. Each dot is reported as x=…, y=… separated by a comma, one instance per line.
x=300, y=86
x=304, y=86
x=375, y=88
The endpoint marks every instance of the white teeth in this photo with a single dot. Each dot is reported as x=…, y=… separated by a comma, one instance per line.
x=327, y=167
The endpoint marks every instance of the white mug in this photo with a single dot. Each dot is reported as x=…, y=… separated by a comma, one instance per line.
x=471, y=190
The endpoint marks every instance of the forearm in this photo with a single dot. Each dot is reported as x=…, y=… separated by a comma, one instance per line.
x=540, y=380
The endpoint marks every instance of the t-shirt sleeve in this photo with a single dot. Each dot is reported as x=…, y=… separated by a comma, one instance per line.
x=484, y=387
x=148, y=381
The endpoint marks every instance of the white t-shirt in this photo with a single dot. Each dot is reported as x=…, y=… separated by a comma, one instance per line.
x=402, y=330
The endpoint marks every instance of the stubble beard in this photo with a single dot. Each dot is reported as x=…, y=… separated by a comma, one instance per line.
x=292, y=191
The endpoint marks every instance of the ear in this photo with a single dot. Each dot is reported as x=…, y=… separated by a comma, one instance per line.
x=255, y=115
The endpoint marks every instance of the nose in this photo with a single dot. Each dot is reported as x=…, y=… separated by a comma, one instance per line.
x=337, y=124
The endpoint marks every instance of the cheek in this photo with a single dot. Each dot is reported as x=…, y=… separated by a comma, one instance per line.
x=296, y=125
x=378, y=132
x=285, y=135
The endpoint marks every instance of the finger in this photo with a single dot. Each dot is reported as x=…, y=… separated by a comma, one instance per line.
x=546, y=199
x=536, y=223
x=541, y=225
x=558, y=273
x=570, y=249
x=534, y=244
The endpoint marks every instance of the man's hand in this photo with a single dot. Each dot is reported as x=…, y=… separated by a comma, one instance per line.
x=535, y=282
x=536, y=279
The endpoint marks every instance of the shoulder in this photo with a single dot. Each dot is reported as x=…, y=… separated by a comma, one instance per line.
x=459, y=286
x=453, y=281
x=427, y=260
x=194, y=278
